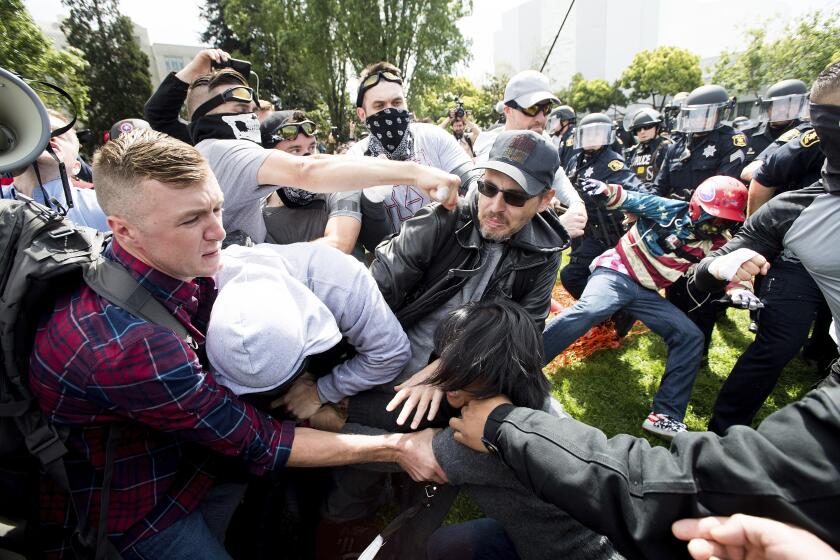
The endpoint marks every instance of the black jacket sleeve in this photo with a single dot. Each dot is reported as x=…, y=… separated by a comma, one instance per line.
x=763, y=232
x=632, y=492
x=537, y=299
x=162, y=108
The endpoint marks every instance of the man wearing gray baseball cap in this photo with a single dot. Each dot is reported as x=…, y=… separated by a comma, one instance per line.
x=502, y=241
x=527, y=102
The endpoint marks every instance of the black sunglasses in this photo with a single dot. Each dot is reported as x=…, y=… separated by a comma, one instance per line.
x=513, y=198
x=533, y=110
x=643, y=127
x=291, y=130
x=374, y=79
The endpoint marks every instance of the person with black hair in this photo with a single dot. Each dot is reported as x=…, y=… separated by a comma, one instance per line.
x=490, y=348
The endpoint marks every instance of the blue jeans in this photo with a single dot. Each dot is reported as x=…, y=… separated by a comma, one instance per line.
x=607, y=292
x=200, y=534
x=481, y=539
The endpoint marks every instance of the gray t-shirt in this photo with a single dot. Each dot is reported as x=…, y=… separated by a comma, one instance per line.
x=235, y=163
x=421, y=335
x=292, y=225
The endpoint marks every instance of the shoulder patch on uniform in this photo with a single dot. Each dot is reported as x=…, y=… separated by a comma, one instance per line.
x=570, y=142
x=739, y=140
x=809, y=139
x=789, y=135
x=616, y=165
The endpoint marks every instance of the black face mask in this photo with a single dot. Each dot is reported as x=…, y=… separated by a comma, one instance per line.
x=295, y=198
x=226, y=126
x=390, y=127
x=826, y=121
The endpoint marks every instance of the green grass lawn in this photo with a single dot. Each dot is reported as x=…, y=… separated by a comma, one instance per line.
x=613, y=389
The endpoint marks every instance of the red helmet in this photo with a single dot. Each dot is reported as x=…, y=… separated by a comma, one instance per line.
x=720, y=196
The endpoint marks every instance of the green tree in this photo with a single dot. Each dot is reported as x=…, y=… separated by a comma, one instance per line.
x=662, y=71
x=439, y=97
x=490, y=94
x=304, y=51
x=746, y=72
x=218, y=33
x=591, y=96
x=118, y=75
x=26, y=51
x=806, y=46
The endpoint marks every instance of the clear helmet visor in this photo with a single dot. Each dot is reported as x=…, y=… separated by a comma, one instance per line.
x=782, y=109
x=700, y=118
x=593, y=136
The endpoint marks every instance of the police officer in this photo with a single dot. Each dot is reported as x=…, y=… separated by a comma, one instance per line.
x=705, y=147
x=564, y=132
x=783, y=109
x=646, y=157
x=671, y=111
x=792, y=300
x=594, y=159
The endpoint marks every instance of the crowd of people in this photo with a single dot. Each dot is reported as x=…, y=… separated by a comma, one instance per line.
x=384, y=314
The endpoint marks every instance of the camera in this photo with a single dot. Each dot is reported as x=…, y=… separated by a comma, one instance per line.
x=241, y=66
x=459, y=108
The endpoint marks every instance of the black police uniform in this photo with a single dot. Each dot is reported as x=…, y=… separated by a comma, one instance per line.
x=693, y=158
x=566, y=149
x=763, y=135
x=689, y=161
x=603, y=227
x=646, y=158
x=791, y=297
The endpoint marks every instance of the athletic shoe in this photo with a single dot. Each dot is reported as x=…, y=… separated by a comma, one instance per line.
x=663, y=426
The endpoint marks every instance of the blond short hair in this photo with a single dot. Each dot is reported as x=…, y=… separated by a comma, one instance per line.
x=122, y=165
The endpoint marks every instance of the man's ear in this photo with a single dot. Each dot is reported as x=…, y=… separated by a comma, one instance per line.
x=545, y=200
x=75, y=168
x=126, y=233
x=361, y=114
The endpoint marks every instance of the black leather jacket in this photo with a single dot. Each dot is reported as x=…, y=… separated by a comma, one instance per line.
x=435, y=252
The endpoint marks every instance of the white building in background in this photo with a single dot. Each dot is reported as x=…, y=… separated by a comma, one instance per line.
x=163, y=58
x=599, y=39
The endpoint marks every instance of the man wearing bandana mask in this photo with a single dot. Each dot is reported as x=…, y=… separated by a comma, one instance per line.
x=667, y=239
x=381, y=104
x=227, y=133
x=297, y=215
x=803, y=223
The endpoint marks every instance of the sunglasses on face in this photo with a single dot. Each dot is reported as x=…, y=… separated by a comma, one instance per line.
x=374, y=79
x=239, y=93
x=512, y=198
x=534, y=110
x=291, y=130
x=644, y=127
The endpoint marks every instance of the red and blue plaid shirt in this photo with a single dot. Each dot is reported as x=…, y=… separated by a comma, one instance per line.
x=95, y=364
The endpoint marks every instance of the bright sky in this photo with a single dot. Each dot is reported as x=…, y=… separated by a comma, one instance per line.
x=703, y=26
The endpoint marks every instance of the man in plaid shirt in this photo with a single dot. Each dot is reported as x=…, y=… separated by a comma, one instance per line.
x=95, y=364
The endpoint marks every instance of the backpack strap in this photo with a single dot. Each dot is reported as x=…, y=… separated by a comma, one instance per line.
x=114, y=283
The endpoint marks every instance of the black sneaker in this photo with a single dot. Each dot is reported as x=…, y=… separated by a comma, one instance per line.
x=663, y=426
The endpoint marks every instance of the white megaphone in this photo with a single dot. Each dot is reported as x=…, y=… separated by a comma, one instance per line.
x=24, y=124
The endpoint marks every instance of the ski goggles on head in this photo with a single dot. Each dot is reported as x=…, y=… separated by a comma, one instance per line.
x=374, y=79
x=533, y=110
x=241, y=94
x=291, y=130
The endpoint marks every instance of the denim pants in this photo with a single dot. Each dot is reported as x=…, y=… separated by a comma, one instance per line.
x=200, y=534
x=609, y=291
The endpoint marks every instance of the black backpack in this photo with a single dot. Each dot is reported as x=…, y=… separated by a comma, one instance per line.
x=42, y=256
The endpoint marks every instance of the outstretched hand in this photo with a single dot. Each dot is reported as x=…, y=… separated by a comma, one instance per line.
x=418, y=397
x=469, y=428
x=744, y=537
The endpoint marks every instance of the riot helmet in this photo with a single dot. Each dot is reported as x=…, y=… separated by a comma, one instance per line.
x=644, y=118
x=594, y=131
x=703, y=109
x=564, y=113
x=784, y=101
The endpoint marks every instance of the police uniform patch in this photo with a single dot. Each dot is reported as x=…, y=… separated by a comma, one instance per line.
x=616, y=165
x=789, y=135
x=570, y=142
x=739, y=140
x=809, y=139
